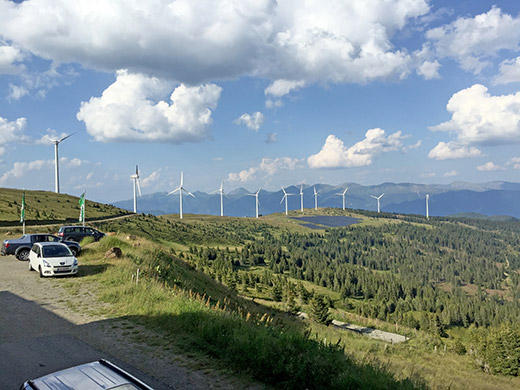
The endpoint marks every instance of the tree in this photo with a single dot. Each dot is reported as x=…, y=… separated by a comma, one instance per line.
x=320, y=310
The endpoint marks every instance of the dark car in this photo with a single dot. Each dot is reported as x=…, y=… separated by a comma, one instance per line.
x=78, y=233
x=101, y=375
x=20, y=247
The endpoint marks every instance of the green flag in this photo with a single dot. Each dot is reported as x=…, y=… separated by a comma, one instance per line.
x=22, y=211
x=82, y=207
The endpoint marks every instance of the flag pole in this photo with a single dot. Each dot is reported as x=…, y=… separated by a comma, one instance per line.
x=84, y=206
x=22, y=212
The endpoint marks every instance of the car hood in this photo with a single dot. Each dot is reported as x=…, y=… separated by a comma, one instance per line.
x=56, y=261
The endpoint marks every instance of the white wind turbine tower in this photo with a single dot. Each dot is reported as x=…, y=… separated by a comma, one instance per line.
x=427, y=206
x=256, y=196
x=315, y=199
x=222, y=193
x=378, y=204
x=342, y=194
x=180, y=189
x=301, y=197
x=135, y=178
x=56, y=142
x=285, y=196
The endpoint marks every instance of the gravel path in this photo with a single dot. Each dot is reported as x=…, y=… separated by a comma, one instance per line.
x=41, y=315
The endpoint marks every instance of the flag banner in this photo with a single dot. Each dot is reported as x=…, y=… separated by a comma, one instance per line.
x=22, y=211
x=82, y=208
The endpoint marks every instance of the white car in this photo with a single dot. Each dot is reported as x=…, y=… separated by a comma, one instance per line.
x=51, y=259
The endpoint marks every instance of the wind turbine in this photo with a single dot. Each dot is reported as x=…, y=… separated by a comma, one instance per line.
x=378, y=204
x=56, y=142
x=180, y=189
x=222, y=193
x=343, y=195
x=135, y=178
x=427, y=206
x=285, y=196
x=256, y=196
x=315, y=199
x=301, y=197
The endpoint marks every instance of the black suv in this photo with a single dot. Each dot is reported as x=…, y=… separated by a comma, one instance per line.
x=78, y=233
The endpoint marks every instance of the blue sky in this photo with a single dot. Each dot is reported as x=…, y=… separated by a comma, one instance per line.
x=257, y=93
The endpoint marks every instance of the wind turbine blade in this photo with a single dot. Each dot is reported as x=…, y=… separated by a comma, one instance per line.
x=138, y=186
x=285, y=196
x=175, y=190
x=375, y=197
x=50, y=139
x=137, y=171
x=67, y=136
x=182, y=178
x=189, y=193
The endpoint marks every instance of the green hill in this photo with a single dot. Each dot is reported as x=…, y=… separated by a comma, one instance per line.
x=225, y=288
x=45, y=207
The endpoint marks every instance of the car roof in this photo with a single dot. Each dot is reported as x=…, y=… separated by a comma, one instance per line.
x=90, y=376
x=48, y=243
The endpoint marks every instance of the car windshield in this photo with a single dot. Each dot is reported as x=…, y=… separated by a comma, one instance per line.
x=56, y=251
x=126, y=386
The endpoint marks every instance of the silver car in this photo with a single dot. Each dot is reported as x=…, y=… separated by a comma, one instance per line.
x=100, y=375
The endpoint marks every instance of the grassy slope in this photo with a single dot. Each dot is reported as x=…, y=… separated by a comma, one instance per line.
x=45, y=207
x=415, y=359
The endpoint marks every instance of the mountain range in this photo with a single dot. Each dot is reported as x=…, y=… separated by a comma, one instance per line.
x=490, y=199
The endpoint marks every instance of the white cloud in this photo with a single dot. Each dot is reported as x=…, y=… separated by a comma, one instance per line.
x=479, y=118
x=22, y=168
x=489, y=166
x=453, y=150
x=131, y=110
x=253, y=121
x=450, y=174
x=509, y=72
x=515, y=162
x=151, y=179
x=12, y=132
x=196, y=41
x=473, y=41
x=268, y=167
x=334, y=154
x=280, y=88
x=429, y=70
x=10, y=58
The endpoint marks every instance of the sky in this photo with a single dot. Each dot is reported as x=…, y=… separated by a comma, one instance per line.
x=257, y=93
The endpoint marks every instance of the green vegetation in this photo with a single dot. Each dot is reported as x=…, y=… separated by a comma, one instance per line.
x=45, y=207
x=229, y=287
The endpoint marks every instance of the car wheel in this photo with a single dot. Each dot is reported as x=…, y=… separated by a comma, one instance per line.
x=40, y=269
x=74, y=250
x=23, y=255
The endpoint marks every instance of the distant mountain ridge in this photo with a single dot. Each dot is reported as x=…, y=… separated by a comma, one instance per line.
x=490, y=199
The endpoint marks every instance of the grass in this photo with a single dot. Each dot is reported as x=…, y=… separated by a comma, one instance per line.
x=236, y=333
x=45, y=207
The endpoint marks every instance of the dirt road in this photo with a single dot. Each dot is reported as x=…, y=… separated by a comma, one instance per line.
x=44, y=328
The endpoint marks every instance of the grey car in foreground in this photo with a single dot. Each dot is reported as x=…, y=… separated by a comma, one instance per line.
x=99, y=375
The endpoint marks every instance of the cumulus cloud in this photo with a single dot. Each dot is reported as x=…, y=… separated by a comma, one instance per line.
x=453, y=150
x=479, y=118
x=10, y=58
x=131, y=110
x=22, y=168
x=429, y=70
x=489, y=166
x=473, y=41
x=509, y=72
x=280, y=88
x=196, y=41
x=334, y=153
x=267, y=167
x=12, y=132
x=253, y=121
